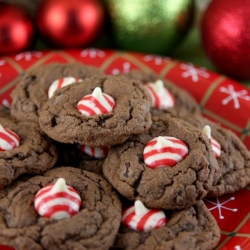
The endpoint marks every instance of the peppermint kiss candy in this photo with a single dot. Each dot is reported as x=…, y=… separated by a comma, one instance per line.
x=215, y=145
x=164, y=151
x=62, y=82
x=57, y=201
x=96, y=103
x=8, y=139
x=162, y=98
x=95, y=152
x=138, y=217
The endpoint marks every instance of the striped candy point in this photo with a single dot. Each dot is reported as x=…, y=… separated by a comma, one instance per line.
x=215, y=144
x=8, y=139
x=164, y=151
x=95, y=152
x=139, y=218
x=161, y=97
x=62, y=82
x=57, y=201
x=96, y=103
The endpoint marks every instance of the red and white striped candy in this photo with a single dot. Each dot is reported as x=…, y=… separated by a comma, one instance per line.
x=139, y=218
x=62, y=82
x=96, y=103
x=162, y=98
x=215, y=145
x=57, y=201
x=95, y=152
x=8, y=139
x=164, y=151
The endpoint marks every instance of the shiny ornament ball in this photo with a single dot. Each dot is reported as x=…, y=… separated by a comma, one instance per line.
x=16, y=29
x=225, y=33
x=149, y=26
x=70, y=23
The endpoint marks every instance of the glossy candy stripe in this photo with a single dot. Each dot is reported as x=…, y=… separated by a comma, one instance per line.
x=161, y=97
x=96, y=103
x=8, y=139
x=95, y=152
x=215, y=144
x=57, y=201
x=164, y=151
x=216, y=147
x=140, y=218
x=62, y=82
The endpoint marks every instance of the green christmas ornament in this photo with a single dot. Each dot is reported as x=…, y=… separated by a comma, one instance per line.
x=149, y=26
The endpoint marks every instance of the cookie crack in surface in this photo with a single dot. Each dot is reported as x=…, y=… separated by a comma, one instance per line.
x=137, y=184
x=127, y=166
x=26, y=92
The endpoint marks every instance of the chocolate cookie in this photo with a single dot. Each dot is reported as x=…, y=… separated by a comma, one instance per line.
x=179, y=180
x=191, y=228
x=176, y=102
x=93, y=227
x=233, y=161
x=34, y=155
x=4, y=111
x=32, y=92
x=61, y=120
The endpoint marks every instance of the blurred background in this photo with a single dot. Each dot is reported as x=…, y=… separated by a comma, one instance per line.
x=214, y=34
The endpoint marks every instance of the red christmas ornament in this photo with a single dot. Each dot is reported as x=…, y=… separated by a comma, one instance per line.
x=16, y=29
x=226, y=36
x=70, y=23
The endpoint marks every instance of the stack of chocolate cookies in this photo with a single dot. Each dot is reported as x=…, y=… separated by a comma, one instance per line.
x=91, y=161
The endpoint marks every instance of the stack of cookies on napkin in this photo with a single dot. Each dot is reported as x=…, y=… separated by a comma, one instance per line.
x=91, y=161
